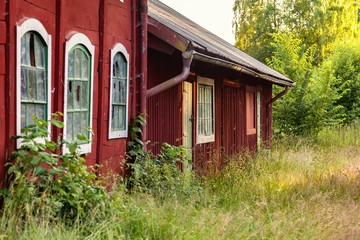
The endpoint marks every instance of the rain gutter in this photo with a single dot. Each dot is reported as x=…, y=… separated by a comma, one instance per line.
x=187, y=58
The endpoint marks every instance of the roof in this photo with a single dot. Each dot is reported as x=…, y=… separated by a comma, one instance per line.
x=210, y=47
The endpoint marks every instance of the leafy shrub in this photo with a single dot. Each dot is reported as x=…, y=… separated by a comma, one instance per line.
x=345, y=65
x=308, y=106
x=159, y=175
x=43, y=180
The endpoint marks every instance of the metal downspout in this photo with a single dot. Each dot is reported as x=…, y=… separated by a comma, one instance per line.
x=268, y=105
x=187, y=58
x=143, y=64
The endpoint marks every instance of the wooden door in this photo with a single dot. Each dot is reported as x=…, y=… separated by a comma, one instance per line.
x=188, y=119
x=232, y=119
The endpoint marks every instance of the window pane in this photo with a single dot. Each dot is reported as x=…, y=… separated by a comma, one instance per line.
x=77, y=93
x=23, y=115
x=41, y=85
x=23, y=49
x=77, y=124
x=84, y=96
x=84, y=123
x=40, y=111
x=84, y=66
x=123, y=67
x=115, y=117
x=32, y=83
x=27, y=44
x=39, y=53
x=69, y=126
x=70, y=95
x=24, y=89
x=122, y=92
x=116, y=66
x=114, y=92
x=71, y=65
x=122, y=118
x=30, y=113
x=77, y=60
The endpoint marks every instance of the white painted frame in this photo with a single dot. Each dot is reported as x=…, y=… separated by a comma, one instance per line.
x=34, y=25
x=201, y=138
x=119, y=48
x=79, y=39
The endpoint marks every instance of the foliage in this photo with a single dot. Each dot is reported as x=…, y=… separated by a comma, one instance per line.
x=305, y=188
x=316, y=23
x=44, y=180
x=159, y=175
x=308, y=106
x=345, y=65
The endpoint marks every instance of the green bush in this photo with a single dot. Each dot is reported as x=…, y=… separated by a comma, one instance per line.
x=308, y=106
x=159, y=175
x=345, y=65
x=44, y=180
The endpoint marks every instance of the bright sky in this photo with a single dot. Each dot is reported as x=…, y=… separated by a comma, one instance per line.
x=214, y=15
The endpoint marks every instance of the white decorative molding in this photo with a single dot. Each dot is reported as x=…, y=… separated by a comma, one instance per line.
x=200, y=138
x=119, y=48
x=34, y=25
x=76, y=39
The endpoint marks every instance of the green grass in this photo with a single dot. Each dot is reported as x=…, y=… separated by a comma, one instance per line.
x=305, y=188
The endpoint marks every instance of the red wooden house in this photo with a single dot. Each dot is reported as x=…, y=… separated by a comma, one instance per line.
x=101, y=62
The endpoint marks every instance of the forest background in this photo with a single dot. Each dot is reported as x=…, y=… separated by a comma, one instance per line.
x=316, y=44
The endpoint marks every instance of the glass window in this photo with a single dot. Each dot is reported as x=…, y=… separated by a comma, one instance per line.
x=119, y=82
x=33, y=78
x=119, y=92
x=205, y=110
x=78, y=89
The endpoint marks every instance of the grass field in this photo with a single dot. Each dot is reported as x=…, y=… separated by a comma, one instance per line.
x=305, y=188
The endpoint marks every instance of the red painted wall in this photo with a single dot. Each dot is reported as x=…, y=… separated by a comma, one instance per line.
x=164, y=109
x=3, y=30
x=105, y=23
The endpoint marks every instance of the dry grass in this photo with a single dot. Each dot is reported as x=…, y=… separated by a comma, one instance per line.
x=307, y=188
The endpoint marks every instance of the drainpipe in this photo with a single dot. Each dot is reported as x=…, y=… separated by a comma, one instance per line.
x=268, y=109
x=143, y=63
x=187, y=58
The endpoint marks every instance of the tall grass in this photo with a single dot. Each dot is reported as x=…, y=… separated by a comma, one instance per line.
x=304, y=188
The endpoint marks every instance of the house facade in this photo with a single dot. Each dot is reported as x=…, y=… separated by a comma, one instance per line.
x=101, y=62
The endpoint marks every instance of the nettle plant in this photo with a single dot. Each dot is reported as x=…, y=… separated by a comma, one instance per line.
x=43, y=180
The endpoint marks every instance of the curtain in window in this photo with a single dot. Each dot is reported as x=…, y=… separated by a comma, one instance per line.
x=205, y=110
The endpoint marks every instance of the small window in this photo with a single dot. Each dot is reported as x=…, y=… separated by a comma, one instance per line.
x=205, y=110
x=78, y=89
x=251, y=113
x=33, y=74
x=119, y=82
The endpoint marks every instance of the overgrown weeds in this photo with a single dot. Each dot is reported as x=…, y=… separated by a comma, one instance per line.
x=305, y=188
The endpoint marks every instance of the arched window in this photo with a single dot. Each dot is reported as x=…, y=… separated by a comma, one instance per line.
x=119, y=82
x=33, y=73
x=78, y=89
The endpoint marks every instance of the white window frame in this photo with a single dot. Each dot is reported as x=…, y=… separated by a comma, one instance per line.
x=77, y=39
x=34, y=25
x=201, y=138
x=119, y=48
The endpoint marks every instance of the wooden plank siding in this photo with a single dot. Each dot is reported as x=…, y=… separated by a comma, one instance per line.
x=165, y=109
x=3, y=36
x=105, y=23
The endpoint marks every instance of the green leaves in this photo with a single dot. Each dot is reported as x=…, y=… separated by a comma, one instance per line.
x=307, y=106
x=43, y=179
x=317, y=23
